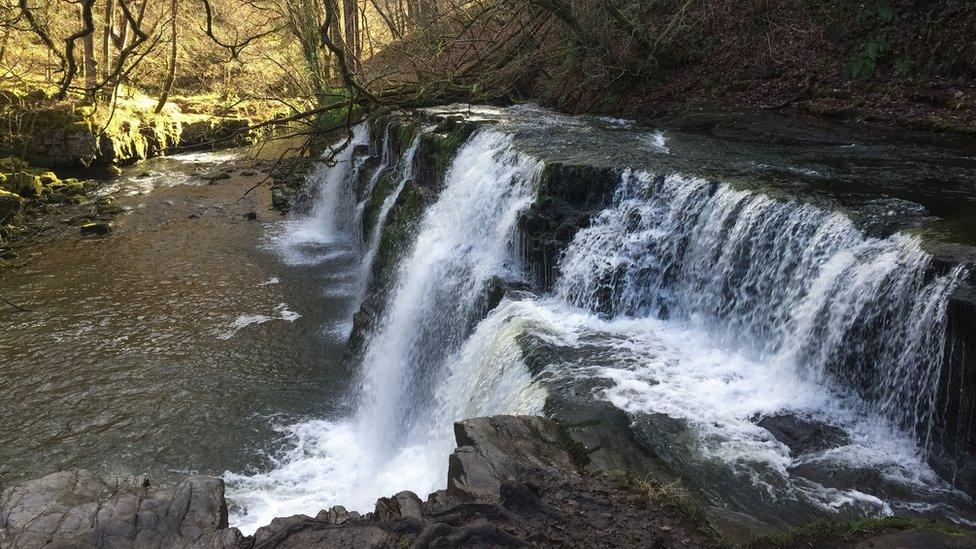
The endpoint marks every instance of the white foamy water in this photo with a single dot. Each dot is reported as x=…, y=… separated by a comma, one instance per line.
x=420, y=371
x=330, y=231
x=243, y=321
x=700, y=309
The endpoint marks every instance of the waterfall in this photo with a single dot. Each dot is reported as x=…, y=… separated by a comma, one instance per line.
x=716, y=307
x=420, y=369
x=329, y=232
x=699, y=309
x=465, y=238
x=802, y=285
x=406, y=174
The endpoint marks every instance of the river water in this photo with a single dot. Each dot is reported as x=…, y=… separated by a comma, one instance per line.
x=174, y=345
x=698, y=308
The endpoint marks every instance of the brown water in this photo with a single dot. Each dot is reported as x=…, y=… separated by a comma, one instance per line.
x=127, y=359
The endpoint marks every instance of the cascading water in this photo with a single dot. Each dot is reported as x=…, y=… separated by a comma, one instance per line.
x=329, y=231
x=703, y=311
x=406, y=174
x=810, y=291
x=721, y=306
x=416, y=367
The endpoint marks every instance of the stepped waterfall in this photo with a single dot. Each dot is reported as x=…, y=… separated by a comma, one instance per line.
x=696, y=308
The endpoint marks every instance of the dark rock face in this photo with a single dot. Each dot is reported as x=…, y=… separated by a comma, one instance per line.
x=499, y=449
x=955, y=423
x=568, y=197
x=81, y=509
x=512, y=483
x=803, y=435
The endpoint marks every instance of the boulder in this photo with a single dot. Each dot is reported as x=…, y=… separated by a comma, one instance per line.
x=10, y=204
x=803, y=435
x=497, y=449
x=24, y=184
x=82, y=509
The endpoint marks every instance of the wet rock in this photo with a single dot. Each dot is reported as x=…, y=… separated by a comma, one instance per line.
x=493, y=450
x=569, y=196
x=250, y=216
x=281, y=198
x=804, y=435
x=81, y=509
x=916, y=539
x=520, y=488
x=499, y=288
x=110, y=210
x=300, y=531
x=96, y=228
x=410, y=505
x=336, y=515
x=736, y=527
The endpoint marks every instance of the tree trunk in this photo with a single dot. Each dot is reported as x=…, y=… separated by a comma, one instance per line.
x=171, y=75
x=350, y=19
x=88, y=62
x=107, y=38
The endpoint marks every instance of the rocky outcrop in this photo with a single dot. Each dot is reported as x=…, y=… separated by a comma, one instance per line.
x=82, y=509
x=511, y=483
x=568, y=198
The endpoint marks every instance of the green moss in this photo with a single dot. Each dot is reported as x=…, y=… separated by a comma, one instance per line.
x=24, y=184
x=10, y=204
x=443, y=147
x=956, y=231
x=398, y=231
x=406, y=132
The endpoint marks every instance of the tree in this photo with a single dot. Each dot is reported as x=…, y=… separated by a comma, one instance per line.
x=171, y=74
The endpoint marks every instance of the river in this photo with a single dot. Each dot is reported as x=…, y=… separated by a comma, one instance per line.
x=765, y=309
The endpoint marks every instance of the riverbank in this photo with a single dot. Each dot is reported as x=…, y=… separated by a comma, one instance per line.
x=63, y=151
x=202, y=281
x=512, y=482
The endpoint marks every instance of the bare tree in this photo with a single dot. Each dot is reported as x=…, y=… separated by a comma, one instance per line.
x=171, y=73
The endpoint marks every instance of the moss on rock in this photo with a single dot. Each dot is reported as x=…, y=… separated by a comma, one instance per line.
x=10, y=204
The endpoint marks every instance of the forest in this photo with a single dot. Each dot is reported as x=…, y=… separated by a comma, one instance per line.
x=578, y=55
x=487, y=273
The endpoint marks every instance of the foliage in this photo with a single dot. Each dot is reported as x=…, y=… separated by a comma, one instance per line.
x=866, y=57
